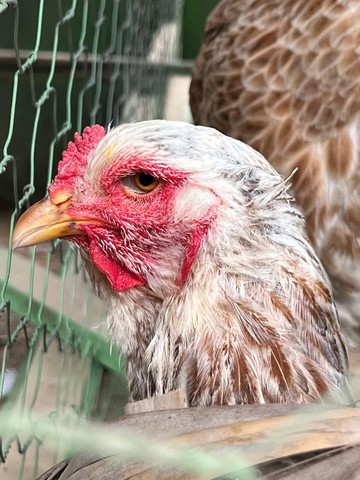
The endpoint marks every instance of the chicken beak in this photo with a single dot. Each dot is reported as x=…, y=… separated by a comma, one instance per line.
x=45, y=221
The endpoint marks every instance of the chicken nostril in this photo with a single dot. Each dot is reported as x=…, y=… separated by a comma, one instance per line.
x=61, y=200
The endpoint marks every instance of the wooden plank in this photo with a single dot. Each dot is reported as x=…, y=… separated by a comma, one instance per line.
x=259, y=434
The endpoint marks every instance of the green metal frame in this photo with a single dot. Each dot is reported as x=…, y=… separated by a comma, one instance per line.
x=87, y=342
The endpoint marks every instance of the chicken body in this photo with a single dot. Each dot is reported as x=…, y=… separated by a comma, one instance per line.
x=284, y=77
x=194, y=241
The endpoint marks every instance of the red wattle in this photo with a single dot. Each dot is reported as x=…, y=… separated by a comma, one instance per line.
x=192, y=249
x=118, y=275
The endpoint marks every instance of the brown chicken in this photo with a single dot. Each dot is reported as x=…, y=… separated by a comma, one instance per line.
x=284, y=76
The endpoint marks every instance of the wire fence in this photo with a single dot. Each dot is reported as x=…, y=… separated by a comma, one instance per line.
x=63, y=65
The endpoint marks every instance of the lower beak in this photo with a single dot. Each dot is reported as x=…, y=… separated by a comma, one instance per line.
x=45, y=221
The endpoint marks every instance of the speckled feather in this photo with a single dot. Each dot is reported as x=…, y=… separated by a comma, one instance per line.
x=252, y=320
x=284, y=76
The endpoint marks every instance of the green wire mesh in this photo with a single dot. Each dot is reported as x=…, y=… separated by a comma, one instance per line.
x=64, y=65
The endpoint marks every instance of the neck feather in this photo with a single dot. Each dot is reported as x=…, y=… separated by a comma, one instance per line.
x=235, y=331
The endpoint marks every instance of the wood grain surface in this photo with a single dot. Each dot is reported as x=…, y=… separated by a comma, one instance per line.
x=280, y=441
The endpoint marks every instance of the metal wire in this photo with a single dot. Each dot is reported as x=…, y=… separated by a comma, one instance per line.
x=63, y=66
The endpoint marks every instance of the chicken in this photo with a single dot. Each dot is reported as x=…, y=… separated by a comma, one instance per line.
x=284, y=77
x=194, y=241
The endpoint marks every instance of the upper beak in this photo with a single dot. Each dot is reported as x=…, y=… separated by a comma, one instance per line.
x=45, y=221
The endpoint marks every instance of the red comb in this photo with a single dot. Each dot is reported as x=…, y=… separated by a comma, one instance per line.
x=75, y=157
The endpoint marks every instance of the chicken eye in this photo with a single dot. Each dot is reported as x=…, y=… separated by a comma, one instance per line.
x=141, y=182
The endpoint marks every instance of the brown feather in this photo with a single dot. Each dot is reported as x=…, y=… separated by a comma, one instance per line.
x=284, y=76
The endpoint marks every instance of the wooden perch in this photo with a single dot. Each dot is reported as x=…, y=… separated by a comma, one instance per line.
x=281, y=441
